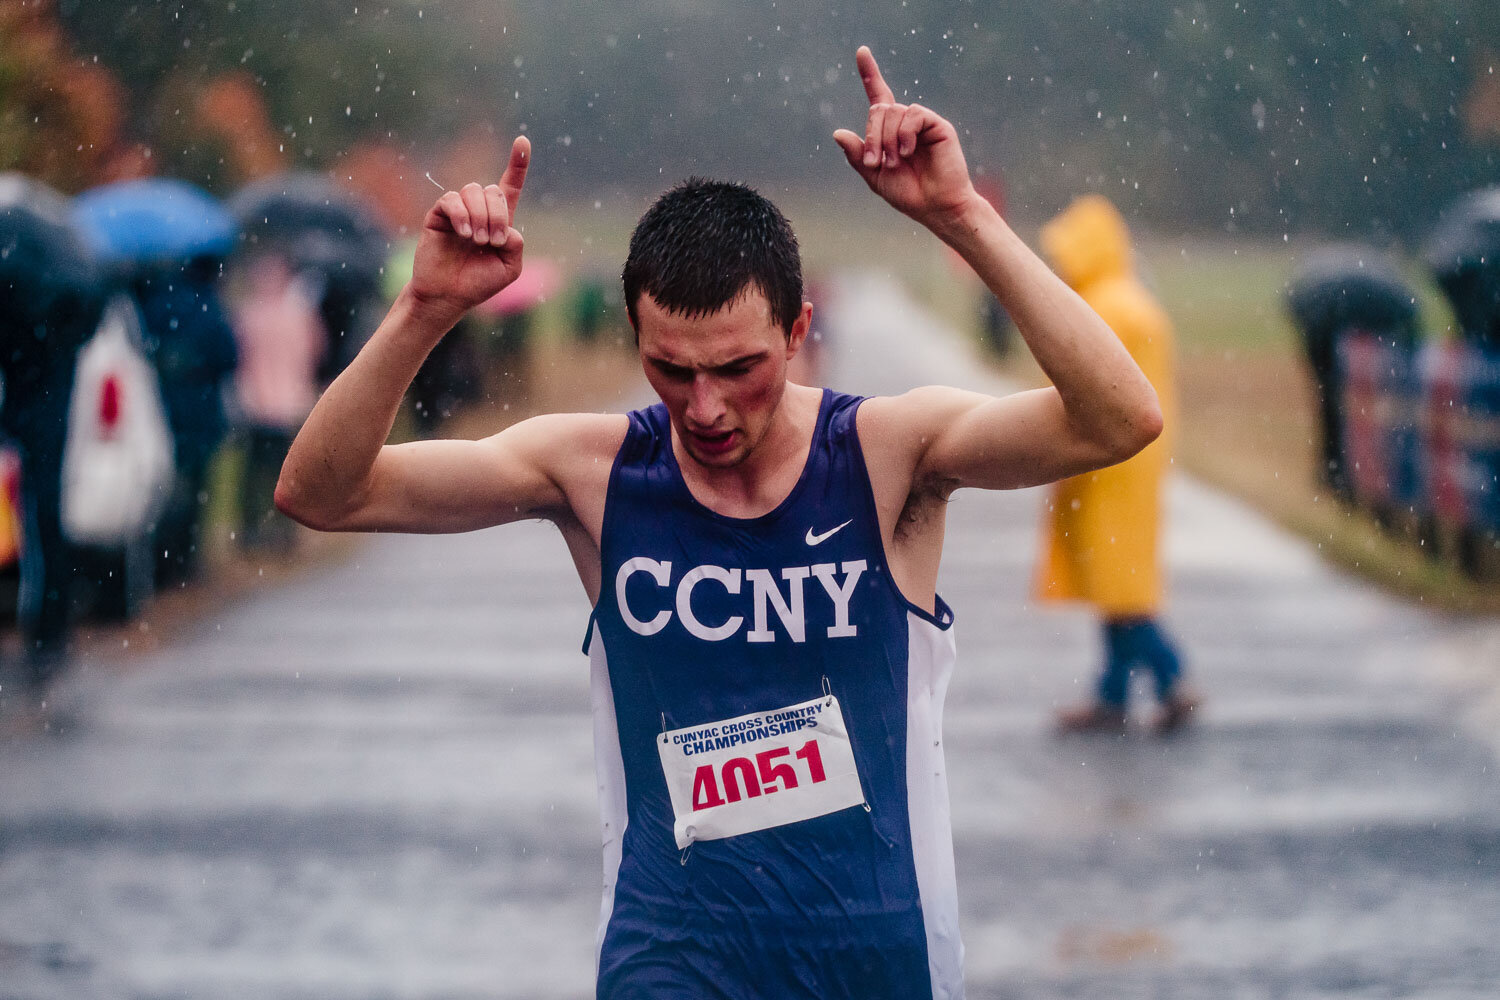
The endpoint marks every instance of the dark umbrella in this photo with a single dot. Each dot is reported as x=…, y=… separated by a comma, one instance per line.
x=1338, y=289
x=154, y=220
x=1351, y=285
x=48, y=276
x=316, y=223
x=1464, y=254
x=1469, y=229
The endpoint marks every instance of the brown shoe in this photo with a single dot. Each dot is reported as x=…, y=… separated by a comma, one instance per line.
x=1094, y=717
x=1177, y=710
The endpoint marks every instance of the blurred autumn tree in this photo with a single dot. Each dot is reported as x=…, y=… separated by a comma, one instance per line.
x=227, y=91
x=1352, y=116
x=60, y=116
x=67, y=120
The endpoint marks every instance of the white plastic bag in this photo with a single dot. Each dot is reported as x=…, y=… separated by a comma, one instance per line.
x=117, y=462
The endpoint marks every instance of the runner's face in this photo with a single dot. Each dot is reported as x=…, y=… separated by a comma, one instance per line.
x=722, y=375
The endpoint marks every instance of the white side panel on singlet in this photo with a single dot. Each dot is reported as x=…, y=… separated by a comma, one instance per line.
x=930, y=657
x=609, y=772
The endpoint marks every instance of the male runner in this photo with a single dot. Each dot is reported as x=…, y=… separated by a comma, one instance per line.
x=769, y=654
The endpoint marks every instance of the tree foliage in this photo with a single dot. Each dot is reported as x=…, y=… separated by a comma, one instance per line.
x=60, y=117
x=1360, y=116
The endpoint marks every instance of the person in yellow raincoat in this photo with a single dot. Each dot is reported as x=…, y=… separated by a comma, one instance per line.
x=1103, y=528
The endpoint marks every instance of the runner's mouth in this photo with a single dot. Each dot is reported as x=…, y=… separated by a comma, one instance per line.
x=713, y=443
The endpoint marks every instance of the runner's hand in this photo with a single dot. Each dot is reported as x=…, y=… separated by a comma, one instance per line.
x=468, y=249
x=909, y=155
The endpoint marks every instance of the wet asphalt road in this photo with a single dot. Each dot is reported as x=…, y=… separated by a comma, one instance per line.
x=377, y=781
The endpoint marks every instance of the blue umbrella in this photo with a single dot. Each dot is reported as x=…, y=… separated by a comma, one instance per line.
x=157, y=219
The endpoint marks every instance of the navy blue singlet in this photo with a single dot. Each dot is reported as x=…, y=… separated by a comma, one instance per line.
x=768, y=726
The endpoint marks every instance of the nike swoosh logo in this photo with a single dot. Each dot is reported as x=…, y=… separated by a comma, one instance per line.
x=813, y=539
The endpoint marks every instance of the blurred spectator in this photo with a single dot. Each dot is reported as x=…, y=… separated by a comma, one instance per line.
x=451, y=376
x=996, y=331
x=994, y=322
x=50, y=302
x=1102, y=542
x=327, y=231
x=513, y=310
x=590, y=308
x=349, y=308
x=187, y=337
x=1340, y=293
x=118, y=467
x=10, y=507
x=282, y=341
x=35, y=418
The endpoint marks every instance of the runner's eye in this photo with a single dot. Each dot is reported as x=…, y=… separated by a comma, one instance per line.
x=674, y=372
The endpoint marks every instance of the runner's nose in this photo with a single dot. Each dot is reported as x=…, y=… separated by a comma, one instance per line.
x=705, y=402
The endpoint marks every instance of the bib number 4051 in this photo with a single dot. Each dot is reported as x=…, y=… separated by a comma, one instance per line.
x=723, y=776
x=739, y=778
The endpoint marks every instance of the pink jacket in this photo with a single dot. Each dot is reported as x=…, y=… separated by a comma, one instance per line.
x=281, y=340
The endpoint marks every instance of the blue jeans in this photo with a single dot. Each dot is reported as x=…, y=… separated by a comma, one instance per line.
x=1132, y=642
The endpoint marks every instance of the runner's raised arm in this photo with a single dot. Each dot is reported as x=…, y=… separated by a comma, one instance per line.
x=341, y=476
x=1100, y=410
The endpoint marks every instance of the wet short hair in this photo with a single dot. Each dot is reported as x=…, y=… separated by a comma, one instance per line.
x=703, y=243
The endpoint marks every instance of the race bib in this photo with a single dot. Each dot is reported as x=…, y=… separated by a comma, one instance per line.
x=760, y=770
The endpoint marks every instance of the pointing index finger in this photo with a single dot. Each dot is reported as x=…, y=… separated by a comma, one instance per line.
x=869, y=74
x=514, y=177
